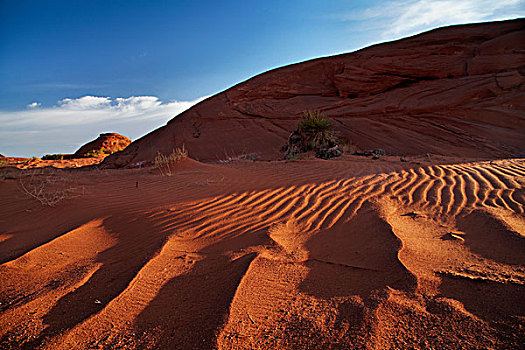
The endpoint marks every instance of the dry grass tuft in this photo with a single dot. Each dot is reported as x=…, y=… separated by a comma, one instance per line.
x=288, y=228
x=163, y=163
x=291, y=237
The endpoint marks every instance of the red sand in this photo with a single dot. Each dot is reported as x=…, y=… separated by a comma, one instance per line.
x=348, y=253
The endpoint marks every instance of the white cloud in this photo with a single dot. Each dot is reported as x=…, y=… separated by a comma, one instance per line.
x=138, y=103
x=73, y=121
x=34, y=105
x=85, y=103
x=397, y=19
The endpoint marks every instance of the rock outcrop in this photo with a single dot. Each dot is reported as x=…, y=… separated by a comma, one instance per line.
x=105, y=144
x=457, y=91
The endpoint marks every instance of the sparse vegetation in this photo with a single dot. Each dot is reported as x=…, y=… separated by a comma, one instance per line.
x=313, y=123
x=228, y=158
x=288, y=228
x=95, y=153
x=33, y=159
x=163, y=162
x=49, y=186
x=100, y=152
x=313, y=133
x=53, y=157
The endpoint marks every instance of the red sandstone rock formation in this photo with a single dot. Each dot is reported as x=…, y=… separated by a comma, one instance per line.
x=456, y=91
x=104, y=144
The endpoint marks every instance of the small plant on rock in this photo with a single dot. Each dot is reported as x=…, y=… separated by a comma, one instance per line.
x=314, y=123
x=313, y=133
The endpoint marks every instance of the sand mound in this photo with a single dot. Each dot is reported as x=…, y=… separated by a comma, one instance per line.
x=454, y=91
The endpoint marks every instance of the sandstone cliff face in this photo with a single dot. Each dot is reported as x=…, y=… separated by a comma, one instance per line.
x=456, y=91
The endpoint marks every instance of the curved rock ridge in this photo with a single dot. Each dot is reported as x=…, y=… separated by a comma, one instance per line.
x=456, y=90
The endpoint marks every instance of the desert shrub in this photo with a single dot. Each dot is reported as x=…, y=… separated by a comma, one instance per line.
x=49, y=187
x=163, y=162
x=313, y=133
x=53, y=157
x=314, y=123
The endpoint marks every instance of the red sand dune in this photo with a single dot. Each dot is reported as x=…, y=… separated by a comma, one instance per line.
x=349, y=253
x=453, y=91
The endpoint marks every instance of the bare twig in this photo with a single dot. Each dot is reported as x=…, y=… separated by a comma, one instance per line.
x=251, y=319
x=49, y=187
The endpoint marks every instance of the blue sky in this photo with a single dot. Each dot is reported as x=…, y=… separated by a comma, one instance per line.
x=70, y=70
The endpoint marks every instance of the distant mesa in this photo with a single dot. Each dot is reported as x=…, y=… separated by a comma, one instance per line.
x=103, y=145
x=456, y=91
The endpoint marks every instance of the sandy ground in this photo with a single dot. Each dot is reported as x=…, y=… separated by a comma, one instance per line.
x=312, y=254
